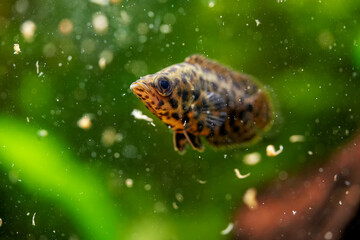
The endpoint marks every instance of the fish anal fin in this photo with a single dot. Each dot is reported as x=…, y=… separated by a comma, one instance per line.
x=194, y=141
x=180, y=142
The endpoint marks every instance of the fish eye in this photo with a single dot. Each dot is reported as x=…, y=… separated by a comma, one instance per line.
x=164, y=86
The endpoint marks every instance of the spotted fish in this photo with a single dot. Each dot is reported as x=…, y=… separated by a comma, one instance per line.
x=201, y=97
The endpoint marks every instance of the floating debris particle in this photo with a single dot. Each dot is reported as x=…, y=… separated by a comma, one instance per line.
x=310, y=153
x=33, y=219
x=37, y=67
x=28, y=30
x=139, y=115
x=66, y=26
x=17, y=48
x=102, y=63
x=250, y=198
x=201, y=181
x=328, y=235
x=257, y=21
x=129, y=182
x=297, y=138
x=252, y=158
x=165, y=28
x=27, y=119
x=238, y=174
x=101, y=2
x=175, y=206
x=84, y=122
x=179, y=197
x=228, y=229
x=105, y=59
x=100, y=23
x=109, y=136
x=1, y=222
x=147, y=187
x=335, y=177
x=115, y=1
x=294, y=212
x=270, y=150
x=42, y=133
x=211, y=4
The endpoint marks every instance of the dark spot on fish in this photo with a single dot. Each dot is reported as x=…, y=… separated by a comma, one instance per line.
x=196, y=94
x=173, y=102
x=160, y=103
x=202, y=82
x=232, y=117
x=214, y=86
x=173, y=69
x=152, y=102
x=241, y=114
x=179, y=93
x=175, y=116
x=184, y=80
x=185, y=95
x=185, y=118
x=237, y=85
x=220, y=77
x=249, y=107
x=223, y=131
x=146, y=96
x=151, y=84
x=140, y=90
x=176, y=81
x=235, y=128
x=200, y=126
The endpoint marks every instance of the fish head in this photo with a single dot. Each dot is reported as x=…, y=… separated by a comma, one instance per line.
x=160, y=94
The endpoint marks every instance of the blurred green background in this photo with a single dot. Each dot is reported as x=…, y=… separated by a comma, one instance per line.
x=121, y=178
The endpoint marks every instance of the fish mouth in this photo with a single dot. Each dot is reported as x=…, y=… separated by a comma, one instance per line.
x=139, y=87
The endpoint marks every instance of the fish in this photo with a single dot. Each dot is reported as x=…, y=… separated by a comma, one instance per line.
x=201, y=98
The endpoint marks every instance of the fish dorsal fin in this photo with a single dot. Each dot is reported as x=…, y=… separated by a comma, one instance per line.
x=209, y=64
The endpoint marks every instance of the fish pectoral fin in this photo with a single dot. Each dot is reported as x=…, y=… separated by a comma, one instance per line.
x=180, y=142
x=194, y=141
x=214, y=109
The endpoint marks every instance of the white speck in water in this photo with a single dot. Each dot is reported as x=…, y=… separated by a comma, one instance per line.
x=28, y=30
x=328, y=235
x=270, y=150
x=139, y=115
x=293, y=212
x=238, y=174
x=257, y=21
x=250, y=198
x=228, y=229
x=17, y=48
x=252, y=158
x=42, y=133
x=211, y=4
x=129, y=182
x=33, y=219
x=297, y=138
x=340, y=202
x=101, y=2
x=147, y=187
x=37, y=67
x=85, y=122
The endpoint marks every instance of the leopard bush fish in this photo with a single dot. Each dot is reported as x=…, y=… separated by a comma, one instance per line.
x=201, y=97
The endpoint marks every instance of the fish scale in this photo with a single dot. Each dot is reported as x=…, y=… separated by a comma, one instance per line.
x=201, y=97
